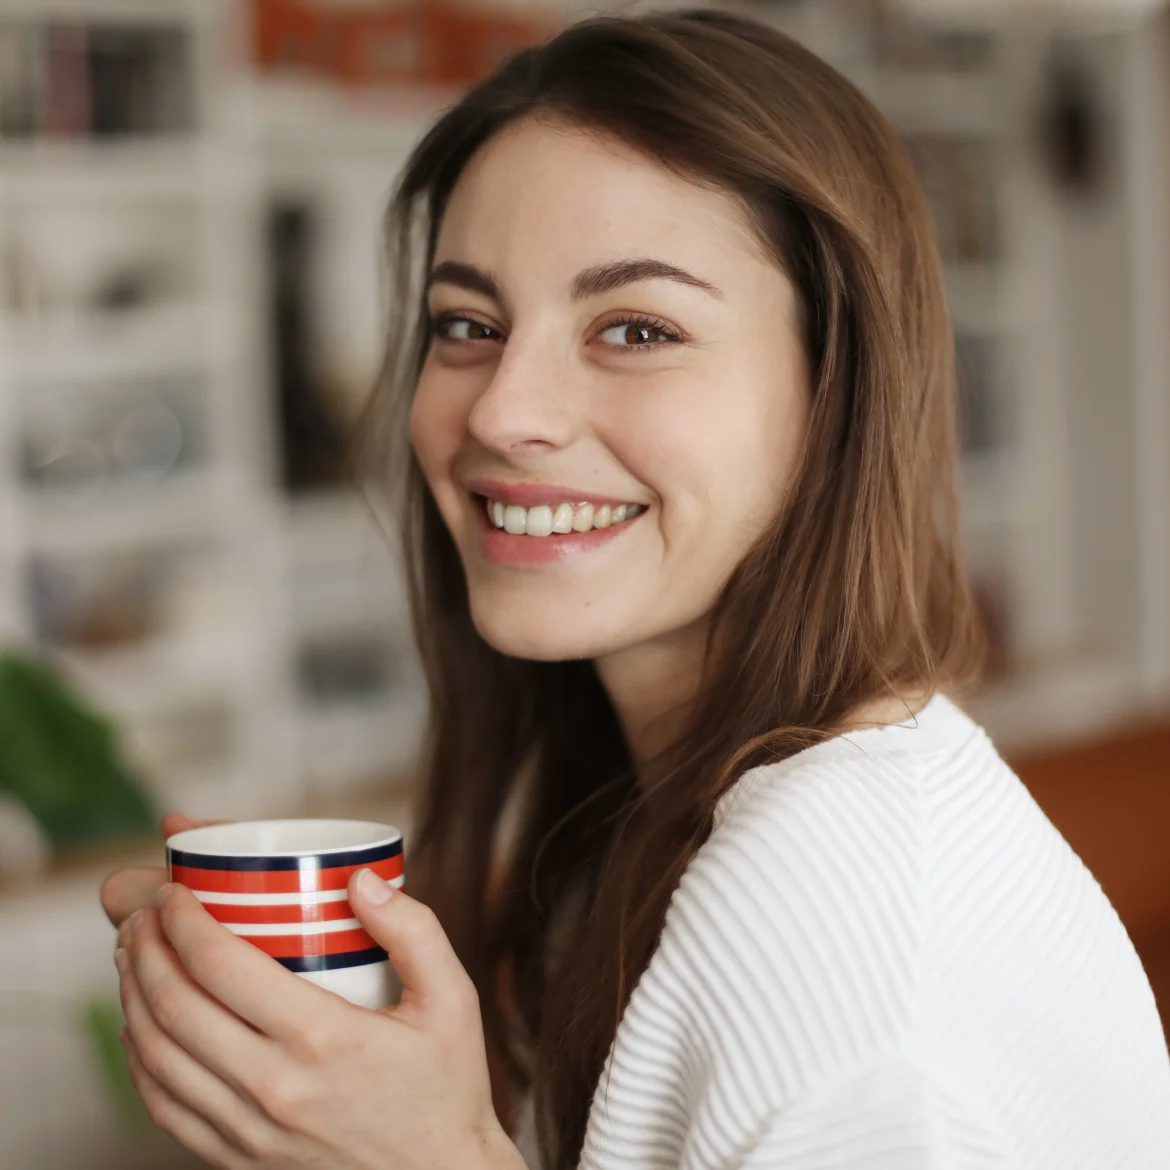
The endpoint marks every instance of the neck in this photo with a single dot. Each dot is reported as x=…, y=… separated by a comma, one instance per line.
x=652, y=686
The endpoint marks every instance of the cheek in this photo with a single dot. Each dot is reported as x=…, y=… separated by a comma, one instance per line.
x=437, y=426
x=719, y=463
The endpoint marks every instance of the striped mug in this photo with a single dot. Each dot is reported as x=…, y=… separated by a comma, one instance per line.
x=282, y=886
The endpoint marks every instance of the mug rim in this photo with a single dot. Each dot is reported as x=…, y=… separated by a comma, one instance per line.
x=202, y=841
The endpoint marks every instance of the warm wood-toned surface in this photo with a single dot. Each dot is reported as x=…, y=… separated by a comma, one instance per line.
x=1111, y=800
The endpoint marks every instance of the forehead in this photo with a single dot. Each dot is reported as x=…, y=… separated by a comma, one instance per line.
x=541, y=198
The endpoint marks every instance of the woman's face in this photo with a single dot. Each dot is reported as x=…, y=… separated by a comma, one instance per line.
x=614, y=397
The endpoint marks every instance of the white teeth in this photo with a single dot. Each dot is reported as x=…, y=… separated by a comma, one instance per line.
x=563, y=518
x=539, y=521
x=544, y=519
x=583, y=518
x=515, y=519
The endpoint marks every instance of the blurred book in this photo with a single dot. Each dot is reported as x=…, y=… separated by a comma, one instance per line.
x=979, y=392
x=381, y=45
x=312, y=434
x=76, y=80
x=959, y=176
x=900, y=40
x=345, y=667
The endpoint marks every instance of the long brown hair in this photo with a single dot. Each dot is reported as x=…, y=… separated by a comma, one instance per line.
x=856, y=592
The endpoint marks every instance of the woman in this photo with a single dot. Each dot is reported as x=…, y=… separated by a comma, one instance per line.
x=672, y=356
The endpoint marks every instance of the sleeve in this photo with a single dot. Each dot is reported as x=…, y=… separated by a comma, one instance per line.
x=891, y=1117
x=773, y=1027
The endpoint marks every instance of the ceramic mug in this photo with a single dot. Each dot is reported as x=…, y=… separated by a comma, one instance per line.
x=282, y=886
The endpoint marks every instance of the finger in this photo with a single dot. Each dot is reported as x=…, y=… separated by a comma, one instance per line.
x=130, y=889
x=128, y=928
x=249, y=982
x=431, y=973
x=136, y=886
x=186, y=1127
x=216, y=1038
x=189, y=1082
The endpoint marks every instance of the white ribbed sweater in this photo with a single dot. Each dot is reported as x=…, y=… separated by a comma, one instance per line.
x=885, y=957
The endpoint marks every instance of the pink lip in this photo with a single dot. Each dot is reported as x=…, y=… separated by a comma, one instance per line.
x=505, y=549
x=530, y=495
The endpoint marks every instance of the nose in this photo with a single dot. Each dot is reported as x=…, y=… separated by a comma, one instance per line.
x=527, y=406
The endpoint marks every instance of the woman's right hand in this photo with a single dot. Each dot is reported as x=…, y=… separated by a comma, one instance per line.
x=136, y=887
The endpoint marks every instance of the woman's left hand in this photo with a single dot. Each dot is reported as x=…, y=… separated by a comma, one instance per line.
x=250, y=1066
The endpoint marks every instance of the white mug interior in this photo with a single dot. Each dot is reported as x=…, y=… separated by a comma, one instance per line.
x=301, y=837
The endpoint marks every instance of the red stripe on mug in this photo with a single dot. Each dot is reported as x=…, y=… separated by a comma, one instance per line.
x=279, y=881
x=289, y=946
x=297, y=912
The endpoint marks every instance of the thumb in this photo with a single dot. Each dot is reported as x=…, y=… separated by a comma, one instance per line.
x=432, y=976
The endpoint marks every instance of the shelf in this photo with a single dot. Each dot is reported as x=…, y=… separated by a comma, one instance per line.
x=350, y=744
x=309, y=117
x=167, y=340
x=182, y=508
x=82, y=170
x=161, y=674
x=935, y=103
x=336, y=556
x=108, y=11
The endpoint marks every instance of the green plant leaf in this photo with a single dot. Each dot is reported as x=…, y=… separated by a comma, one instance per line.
x=62, y=760
x=102, y=1022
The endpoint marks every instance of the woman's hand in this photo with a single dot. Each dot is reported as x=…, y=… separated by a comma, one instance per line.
x=137, y=886
x=251, y=1066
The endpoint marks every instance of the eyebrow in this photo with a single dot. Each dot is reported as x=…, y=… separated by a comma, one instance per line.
x=590, y=282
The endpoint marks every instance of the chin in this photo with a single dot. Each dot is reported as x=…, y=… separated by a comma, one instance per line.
x=526, y=632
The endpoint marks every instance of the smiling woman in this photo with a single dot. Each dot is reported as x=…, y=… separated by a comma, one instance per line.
x=669, y=407
x=561, y=387
x=678, y=504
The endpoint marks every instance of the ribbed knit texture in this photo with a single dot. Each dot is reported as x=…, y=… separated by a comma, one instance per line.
x=885, y=957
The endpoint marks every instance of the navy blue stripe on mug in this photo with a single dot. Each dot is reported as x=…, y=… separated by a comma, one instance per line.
x=303, y=963
x=265, y=864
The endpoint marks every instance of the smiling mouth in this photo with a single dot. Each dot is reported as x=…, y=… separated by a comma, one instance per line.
x=556, y=519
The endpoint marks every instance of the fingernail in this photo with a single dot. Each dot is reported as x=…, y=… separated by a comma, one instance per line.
x=163, y=891
x=134, y=922
x=121, y=959
x=373, y=888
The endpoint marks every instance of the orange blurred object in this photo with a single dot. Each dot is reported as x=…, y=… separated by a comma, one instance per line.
x=420, y=44
x=1111, y=801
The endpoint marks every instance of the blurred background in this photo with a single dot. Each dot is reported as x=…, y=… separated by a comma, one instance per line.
x=197, y=611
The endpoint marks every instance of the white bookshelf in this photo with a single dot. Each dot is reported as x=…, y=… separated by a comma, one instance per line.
x=1070, y=508
x=237, y=627
x=209, y=703
x=259, y=140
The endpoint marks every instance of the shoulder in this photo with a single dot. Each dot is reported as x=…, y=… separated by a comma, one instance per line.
x=790, y=951
x=849, y=820
x=806, y=914
x=801, y=915
x=887, y=763
x=891, y=900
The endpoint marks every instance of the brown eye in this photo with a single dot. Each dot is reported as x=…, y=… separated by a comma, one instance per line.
x=637, y=335
x=462, y=329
